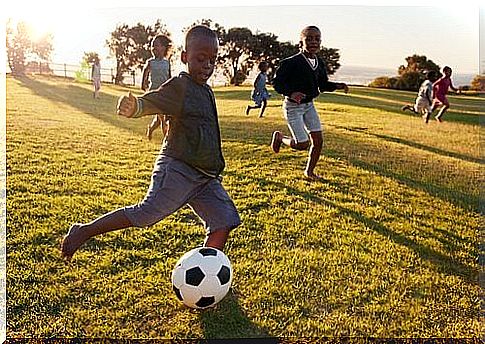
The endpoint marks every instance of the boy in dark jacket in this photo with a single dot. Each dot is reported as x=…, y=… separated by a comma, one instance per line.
x=301, y=78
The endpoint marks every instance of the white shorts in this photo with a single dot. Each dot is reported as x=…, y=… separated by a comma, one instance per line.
x=302, y=119
x=422, y=105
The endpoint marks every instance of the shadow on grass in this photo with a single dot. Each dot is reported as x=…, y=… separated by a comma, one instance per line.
x=443, y=263
x=384, y=102
x=242, y=130
x=413, y=144
x=229, y=317
x=82, y=99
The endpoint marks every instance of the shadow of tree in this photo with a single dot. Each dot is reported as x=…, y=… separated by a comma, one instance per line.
x=413, y=144
x=241, y=130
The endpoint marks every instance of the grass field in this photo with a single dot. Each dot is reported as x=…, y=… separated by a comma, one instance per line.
x=385, y=246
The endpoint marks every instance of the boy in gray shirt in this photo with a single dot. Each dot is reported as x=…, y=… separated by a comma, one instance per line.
x=188, y=169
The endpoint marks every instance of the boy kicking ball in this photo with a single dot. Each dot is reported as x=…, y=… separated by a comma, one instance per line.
x=188, y=168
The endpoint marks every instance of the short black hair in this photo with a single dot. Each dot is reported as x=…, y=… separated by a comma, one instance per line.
x=164, y=40
x=431, y=74
x=199, y=31
x=262, y=63
x=310, y=27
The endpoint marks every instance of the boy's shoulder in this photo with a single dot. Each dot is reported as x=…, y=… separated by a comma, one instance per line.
x=292, y=58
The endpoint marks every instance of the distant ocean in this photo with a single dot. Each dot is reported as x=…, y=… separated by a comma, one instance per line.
x=357, y=75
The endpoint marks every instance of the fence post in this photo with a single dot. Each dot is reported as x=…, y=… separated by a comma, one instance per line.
x=40, y=68
x=112, y=77
x=133, y=75
x=65, y=71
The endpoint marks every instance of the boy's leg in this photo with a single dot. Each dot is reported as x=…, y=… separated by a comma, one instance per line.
x=314, y=127
x=442, y=112
x=299, y=137
x=314, y=154
x=263, y=107
x=249, y=107
x=408, y=107
x=163, y=120
x=79, y=233
x=154, y=124
x=217, y=211
x=217, y=239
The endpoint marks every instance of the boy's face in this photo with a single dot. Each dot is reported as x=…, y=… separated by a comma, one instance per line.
x=200, y=58
x=447, y=72
x=158, y=50
x=311, y=40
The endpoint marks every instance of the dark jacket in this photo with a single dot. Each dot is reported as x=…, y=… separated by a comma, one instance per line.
x=296, y=75
x=193, y=136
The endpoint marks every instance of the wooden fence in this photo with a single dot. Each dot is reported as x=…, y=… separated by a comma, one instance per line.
x=76, y=71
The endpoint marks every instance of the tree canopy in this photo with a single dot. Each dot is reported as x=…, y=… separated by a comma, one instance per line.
x=22, y=48
x=411, y=75
x=131, y=46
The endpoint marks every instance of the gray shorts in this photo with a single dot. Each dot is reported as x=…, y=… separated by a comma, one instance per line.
x=302, y=119
x=175, y=184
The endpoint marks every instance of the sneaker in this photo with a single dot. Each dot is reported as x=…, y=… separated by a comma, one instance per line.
x=276, y=141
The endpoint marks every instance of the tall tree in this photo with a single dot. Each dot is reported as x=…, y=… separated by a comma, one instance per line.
x=235, y=53
x=131, y=46
x=418, y=63
x=413, y=74
x=22, y=48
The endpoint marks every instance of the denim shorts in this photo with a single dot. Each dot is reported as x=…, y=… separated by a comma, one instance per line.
x=302, y=119
x=175, y=184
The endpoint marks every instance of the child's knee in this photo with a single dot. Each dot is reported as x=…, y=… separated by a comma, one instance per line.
x=301, y=145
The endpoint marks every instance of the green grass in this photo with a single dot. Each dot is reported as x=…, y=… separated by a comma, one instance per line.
x=386, y=246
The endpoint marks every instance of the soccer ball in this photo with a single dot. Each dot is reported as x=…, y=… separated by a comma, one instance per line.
x=202, y=277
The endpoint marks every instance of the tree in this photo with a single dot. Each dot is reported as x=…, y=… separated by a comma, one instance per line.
x=478, y=83
x=131, y=46
x=235, y=53
x=418, y=63
x=22, y=48
x=331, y=56
x=410, y=76
x=413, y=74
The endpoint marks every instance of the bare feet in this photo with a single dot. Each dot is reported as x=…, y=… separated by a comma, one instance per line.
x=149, y=133
x=247, y=110
x=276, y=141
x=71, y=241
x=312, y=176
x=439, y=120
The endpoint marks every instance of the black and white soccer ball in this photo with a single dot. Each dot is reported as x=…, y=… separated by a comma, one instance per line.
x=202, y=277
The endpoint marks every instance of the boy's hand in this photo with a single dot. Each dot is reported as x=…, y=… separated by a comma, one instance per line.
x=127, y=105
x=342, y=86
x=297, y=96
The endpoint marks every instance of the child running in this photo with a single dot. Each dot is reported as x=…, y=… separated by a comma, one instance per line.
x=424, y=100
x=260, y=94
x=440, y=89
x=155, y=73
x=301, y=78
x=188, y=168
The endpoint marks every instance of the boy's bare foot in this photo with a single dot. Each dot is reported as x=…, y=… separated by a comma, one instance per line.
x=71, y=241
x=439, y=120
x=149, y=133
x=247, y=110
x=312, y=176
x=276, y=141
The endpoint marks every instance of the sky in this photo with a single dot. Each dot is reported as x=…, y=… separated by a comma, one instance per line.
x=377, y=34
